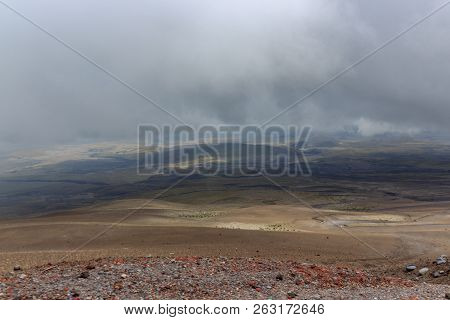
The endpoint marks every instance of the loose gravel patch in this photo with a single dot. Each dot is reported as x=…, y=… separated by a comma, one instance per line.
x=208, y=278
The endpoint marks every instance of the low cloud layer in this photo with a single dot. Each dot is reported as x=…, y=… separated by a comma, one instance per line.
x=219, y=62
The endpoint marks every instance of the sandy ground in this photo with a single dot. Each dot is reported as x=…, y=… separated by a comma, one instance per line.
x=165, y=250
x=281, y=231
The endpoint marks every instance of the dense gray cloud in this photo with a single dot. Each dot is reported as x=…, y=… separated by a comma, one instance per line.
x=219, y=62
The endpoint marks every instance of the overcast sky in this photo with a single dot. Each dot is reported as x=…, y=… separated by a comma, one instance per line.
x=221, y=61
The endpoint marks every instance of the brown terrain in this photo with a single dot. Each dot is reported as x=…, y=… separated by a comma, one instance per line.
x=345, y=233
x=281, y=237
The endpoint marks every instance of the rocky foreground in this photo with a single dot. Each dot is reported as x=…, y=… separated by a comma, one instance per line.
x=214, y=278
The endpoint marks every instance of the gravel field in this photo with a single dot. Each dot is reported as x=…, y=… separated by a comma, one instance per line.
x=211, y=278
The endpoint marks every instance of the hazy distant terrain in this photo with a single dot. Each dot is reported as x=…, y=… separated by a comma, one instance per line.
x=346, y=175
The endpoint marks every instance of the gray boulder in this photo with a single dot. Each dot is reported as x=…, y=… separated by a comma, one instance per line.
x=410, y=267
x=436, y=274
x=442, y=259
x=423, y=271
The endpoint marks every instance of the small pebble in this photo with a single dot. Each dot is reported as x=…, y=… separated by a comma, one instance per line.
x=410, y=267
x=75, y=294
